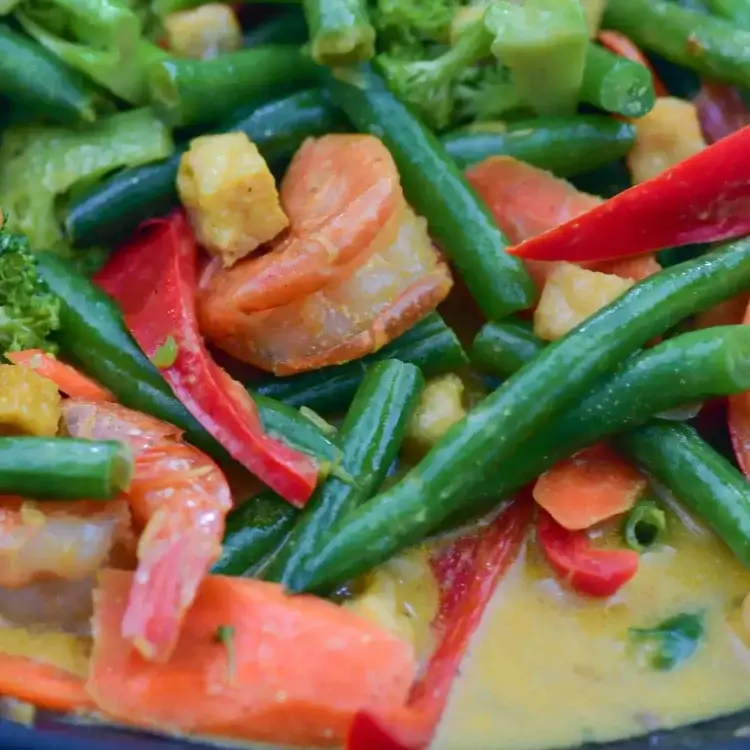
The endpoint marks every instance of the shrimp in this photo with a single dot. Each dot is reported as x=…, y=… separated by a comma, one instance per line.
x=69, y=541
x=179, y=499
x=355, y=270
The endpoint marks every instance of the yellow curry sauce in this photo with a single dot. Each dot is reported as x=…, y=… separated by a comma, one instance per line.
x=548, y=668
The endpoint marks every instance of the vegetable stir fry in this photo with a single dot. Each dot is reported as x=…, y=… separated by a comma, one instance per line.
x=326, y=325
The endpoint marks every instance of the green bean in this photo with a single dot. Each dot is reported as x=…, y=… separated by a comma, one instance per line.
x=709, y=45
x=503, y=348
x=644, y=525
x=563, y=145
x=698, y=476
x=435, y=187
x=616, y=84
x=370, y=438
x=340, y=31
x=193, y=92
x=430, y=345
x=64, y=468
x=737, y=11
x=33, y=78
x=489, y=439
x=254, y=530
x=288, y=27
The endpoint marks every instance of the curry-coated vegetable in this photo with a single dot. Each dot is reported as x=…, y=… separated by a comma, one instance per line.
x=707, y=44
x=64, y=468
x=114, y=208
x=644, y=525
x=563, y=145
x=94, y=334
x=434, y=186
x=490, y=436
x=698, y=476
x=370, y=438
x=33, y=78
x=669, y=644
x=254, y=530
x=616, y=84
x=193, y=92
x=504, y=347
x=430, y=345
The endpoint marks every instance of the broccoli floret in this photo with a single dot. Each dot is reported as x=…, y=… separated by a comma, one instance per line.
x=29, y=313
x=428, y=85
x=414, y=20
x=486, y=92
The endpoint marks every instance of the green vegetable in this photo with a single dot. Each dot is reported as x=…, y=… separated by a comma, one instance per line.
x=286, y=423
x=180, y=88
x=103, y=39
x=340, y=31
x=288, y=27
x=39, y=165
x=544, y=44
x=427, y=85
x=225, y=636
x=698, y=476
x=668, y=645
x=166, y=355
x=645, y=525
x=31, y=77
x=64, y=468
x=408, y=24
x=485, y=93
x=113, y=209
x=709, y=45
x=29, y=314
x=494, y=433
x=593, y=10
x=370, y=438
x=563, y=145
x=434, y=186
x=737, y=11
x=254, y=530
x=616, y=84
x=503, y=348
x=430, y=345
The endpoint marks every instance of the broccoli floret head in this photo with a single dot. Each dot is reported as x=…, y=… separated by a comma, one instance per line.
x=29, y=313
x=416, y=21
x=486, y=92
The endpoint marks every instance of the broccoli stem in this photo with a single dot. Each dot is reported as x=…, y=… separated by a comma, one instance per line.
x=544, y=43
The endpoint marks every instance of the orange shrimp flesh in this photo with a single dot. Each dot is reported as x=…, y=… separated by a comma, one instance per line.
x=356, y=269
x=179, y=498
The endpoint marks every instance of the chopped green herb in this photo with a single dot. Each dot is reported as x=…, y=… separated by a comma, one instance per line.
x=644, y=525
x=225, y=636
x=166, y=355
x=668, y=645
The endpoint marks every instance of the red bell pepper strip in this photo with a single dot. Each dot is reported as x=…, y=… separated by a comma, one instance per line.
x=623, y=46
x=705, y=198
x=153, y=279
x=467, y=572
x=587, y=570
x=721, y=110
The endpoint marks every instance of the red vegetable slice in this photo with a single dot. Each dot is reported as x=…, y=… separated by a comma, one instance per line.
x=705, y=198
x=467, y=573
x=153, y=279
x=587, y=570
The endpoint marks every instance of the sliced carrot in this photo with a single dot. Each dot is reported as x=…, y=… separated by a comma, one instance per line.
x=623, y=46
x=527, y=201
x=291, y=670
x=728, y=313
x=43, y=685
x=590, y=487
x=68, y=380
